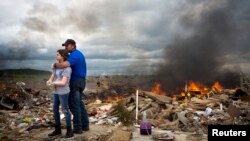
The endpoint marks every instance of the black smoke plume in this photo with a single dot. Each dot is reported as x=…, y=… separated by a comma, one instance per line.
x=212, y=33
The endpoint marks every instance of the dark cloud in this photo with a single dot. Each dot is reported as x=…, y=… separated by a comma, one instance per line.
x=15, y=50
x=137, y=31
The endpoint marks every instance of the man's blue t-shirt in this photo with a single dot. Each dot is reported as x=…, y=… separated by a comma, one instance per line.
x=77, y=64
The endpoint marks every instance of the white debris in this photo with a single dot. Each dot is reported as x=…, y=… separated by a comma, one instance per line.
x=208, y=111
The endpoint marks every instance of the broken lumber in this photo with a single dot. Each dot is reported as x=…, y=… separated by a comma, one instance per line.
x=160, y=99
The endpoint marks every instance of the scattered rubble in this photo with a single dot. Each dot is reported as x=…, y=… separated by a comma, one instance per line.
x=24, y=112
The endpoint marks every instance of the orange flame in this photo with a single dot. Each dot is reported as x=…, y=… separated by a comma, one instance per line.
x=200, y=89
x=197, y=87
x=157, y=89
x=193, y=86
x=217, y=86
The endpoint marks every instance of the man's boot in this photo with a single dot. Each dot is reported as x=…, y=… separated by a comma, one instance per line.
x=69, y=132
x=57, y=131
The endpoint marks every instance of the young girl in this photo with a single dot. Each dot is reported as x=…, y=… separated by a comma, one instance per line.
x=60, y=80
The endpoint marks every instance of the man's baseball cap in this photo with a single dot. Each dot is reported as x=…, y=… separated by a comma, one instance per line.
x=69, y=41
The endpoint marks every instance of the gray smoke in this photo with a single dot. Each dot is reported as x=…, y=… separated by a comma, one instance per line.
x=212, y=34
x=20, y=51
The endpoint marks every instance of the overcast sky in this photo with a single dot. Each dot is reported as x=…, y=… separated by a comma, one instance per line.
x=116, y=36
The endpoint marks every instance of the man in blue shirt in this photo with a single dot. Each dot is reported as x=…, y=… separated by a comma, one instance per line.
x=76, y=61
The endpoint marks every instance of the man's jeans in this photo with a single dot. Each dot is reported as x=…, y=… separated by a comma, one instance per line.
x=63, y=100
x=76, y=105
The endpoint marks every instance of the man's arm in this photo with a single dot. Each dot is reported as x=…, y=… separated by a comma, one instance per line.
x=64, y=64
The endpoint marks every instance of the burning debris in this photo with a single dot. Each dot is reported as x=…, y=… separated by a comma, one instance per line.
x=191, y=111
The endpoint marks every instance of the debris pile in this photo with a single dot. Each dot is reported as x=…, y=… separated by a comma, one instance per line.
x=25, y=112
x=190, y=114
x=22, y=110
